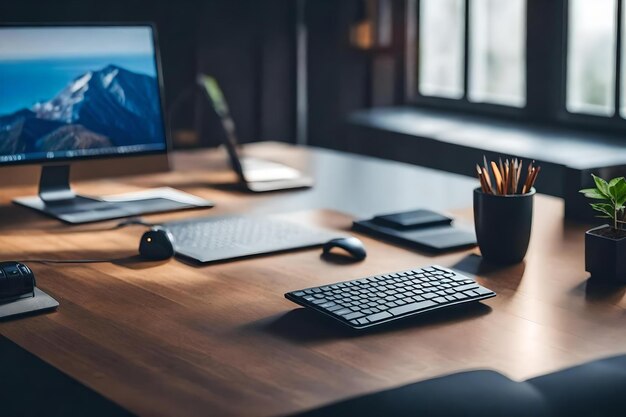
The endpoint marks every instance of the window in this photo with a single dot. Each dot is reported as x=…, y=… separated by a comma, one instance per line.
x=441, y=34
x=473, y=50
x=591, y=57
x=555, y=62
x=595, y=76
x=497, y=52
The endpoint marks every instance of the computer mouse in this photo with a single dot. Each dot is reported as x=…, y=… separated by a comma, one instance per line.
x=16, y=281
x=353, y=246
x=157, y=244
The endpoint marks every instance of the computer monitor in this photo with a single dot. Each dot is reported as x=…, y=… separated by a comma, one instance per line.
x=75, y=92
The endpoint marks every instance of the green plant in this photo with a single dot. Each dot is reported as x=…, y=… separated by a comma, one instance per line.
x=613, y=196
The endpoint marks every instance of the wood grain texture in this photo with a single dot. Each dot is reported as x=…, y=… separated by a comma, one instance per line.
x=166, y=338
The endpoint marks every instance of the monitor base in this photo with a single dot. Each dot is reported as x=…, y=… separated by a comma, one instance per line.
x=58, y=200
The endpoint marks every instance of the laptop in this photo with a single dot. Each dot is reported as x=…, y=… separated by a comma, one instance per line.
x=254, y=174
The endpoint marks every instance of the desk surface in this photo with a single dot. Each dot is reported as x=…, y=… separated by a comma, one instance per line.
x=168, y=339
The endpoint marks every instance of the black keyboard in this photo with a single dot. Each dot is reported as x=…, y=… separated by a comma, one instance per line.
x=371, y=301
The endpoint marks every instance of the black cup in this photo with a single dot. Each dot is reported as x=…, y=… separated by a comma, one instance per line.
x=503, y=224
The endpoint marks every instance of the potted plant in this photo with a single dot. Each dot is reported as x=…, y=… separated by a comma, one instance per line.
x=605, y=246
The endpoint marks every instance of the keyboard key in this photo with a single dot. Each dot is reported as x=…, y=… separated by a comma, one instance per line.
x=379, y=316
x=467, y=287
x=482, y=291
x=343, y=311
x=408, y=308
x=354, y=315
x=440, y=300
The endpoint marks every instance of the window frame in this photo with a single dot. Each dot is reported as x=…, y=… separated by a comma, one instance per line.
x=546, y=71
x=616, y=122
x=462, y=103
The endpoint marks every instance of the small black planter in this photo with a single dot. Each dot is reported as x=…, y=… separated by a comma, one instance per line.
x=503, y=224
x=605, y=257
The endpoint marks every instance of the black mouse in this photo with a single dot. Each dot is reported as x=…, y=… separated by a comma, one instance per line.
x=157, y=244
x=352, y=245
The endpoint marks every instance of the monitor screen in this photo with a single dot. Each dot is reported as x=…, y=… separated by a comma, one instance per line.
x=75, y=92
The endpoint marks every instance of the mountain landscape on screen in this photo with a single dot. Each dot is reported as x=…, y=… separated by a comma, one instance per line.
x=109, y=107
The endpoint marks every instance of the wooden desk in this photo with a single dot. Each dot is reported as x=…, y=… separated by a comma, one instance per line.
x=164, y=339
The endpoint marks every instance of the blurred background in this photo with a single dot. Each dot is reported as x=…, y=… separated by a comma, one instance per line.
x=431, y=82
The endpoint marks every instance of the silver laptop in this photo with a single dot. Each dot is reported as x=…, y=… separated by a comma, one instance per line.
x=255, y=174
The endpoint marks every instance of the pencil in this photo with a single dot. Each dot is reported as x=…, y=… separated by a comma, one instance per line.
x=497, y=176
x=532, y=183
x=519, y=174
x=488, y=181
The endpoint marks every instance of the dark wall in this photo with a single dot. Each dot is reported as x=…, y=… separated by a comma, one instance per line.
x=249, y=46
x=337, y=73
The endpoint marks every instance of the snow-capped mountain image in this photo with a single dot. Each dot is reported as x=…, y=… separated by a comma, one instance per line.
x=107, y=107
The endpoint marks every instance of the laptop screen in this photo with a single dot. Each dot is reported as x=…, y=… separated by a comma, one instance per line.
x=78, y=91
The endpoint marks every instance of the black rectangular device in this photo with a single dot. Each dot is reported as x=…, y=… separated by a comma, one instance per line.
x=414, y=219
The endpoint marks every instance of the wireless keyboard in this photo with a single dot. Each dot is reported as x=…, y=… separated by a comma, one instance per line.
x=371, y=301
x=210, y=239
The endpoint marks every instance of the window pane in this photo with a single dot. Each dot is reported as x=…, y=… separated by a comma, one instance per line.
x=591, y=56
x=441, y=31
x=497, y=66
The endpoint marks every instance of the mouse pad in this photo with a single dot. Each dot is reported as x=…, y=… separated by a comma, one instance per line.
x=432, y=239
x=40, y=302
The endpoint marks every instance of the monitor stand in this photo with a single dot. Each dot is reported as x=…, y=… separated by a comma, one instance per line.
x=57, y=199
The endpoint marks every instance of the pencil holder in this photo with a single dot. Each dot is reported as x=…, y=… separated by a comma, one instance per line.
x=503, y=224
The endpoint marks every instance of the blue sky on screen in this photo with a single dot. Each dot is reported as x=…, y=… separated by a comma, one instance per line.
x=37, y=43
